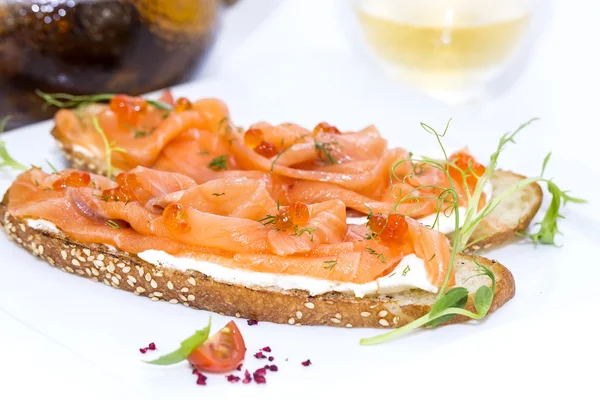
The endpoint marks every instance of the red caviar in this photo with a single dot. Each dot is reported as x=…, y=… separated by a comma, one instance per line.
x=183, y=104
x=324, y=127
x=120, y=193
x=127, y=108
x=466, y=163
x=283, y=220
x=393, y=227
x=73, y=179
x=299, y=213
x=253, y=137
x=266, y=149
x=175, y=219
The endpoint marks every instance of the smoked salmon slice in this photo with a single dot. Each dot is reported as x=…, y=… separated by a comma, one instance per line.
x=233, y=221
x=199, y=140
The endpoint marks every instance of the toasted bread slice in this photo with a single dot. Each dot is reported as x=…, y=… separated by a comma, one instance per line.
x=191, y=288
x=500, y=227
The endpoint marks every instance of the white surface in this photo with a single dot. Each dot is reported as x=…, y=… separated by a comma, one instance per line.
x=64, y=336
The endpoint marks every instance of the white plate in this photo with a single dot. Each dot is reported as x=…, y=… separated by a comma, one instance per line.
x=65, y=326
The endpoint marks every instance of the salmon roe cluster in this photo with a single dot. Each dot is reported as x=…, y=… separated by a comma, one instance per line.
x=463, y=161
x=324, y=127
x=296, y=214
x=129, y=189
x=73, y=179
x=127, y=108
x=176, y=220
x=255, y=139
x=183, y=104
x=391, y=228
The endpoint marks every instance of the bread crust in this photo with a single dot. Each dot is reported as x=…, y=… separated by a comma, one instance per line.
x=193, y=289
x=499, y=228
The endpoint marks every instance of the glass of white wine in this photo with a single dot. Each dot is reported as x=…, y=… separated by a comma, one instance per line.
x=451, y=49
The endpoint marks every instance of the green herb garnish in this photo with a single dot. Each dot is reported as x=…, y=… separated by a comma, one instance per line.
x=329, y=264
x=108, y=147
x=160, y=105
x=406, y=270
x=112, y=224
x=309, y=231
x=138, y=133
x=52, y=167
x=187, y=347
x=324, y=150
x=6, y=159
x=268, y=220
x=218, y=163
x=452, y=302
x=380, y=256
x=65, y=100
x=4, y=123
x=218, y=194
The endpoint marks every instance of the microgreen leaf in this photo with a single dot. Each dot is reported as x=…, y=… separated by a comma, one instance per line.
x=455, y=297
x=6, y=159
x=65, y=100
x=186, y=348
x=108, y=147
x=483, y=299
x=4, y=122
x=548, y=228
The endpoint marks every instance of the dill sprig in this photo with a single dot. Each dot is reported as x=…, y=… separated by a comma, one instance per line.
x=329, y=264
x=307, y=230
x=380, y=256
x=52, y=167
x=324, y=150
x=112, y=224
x=138, y=133
x=109, y=147
x=268, y=220
x=218, y=163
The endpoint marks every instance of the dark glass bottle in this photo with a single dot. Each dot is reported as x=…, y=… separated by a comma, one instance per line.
x=97, y=46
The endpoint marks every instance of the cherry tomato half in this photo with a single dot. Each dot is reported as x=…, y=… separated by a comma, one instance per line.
x=222, y=352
